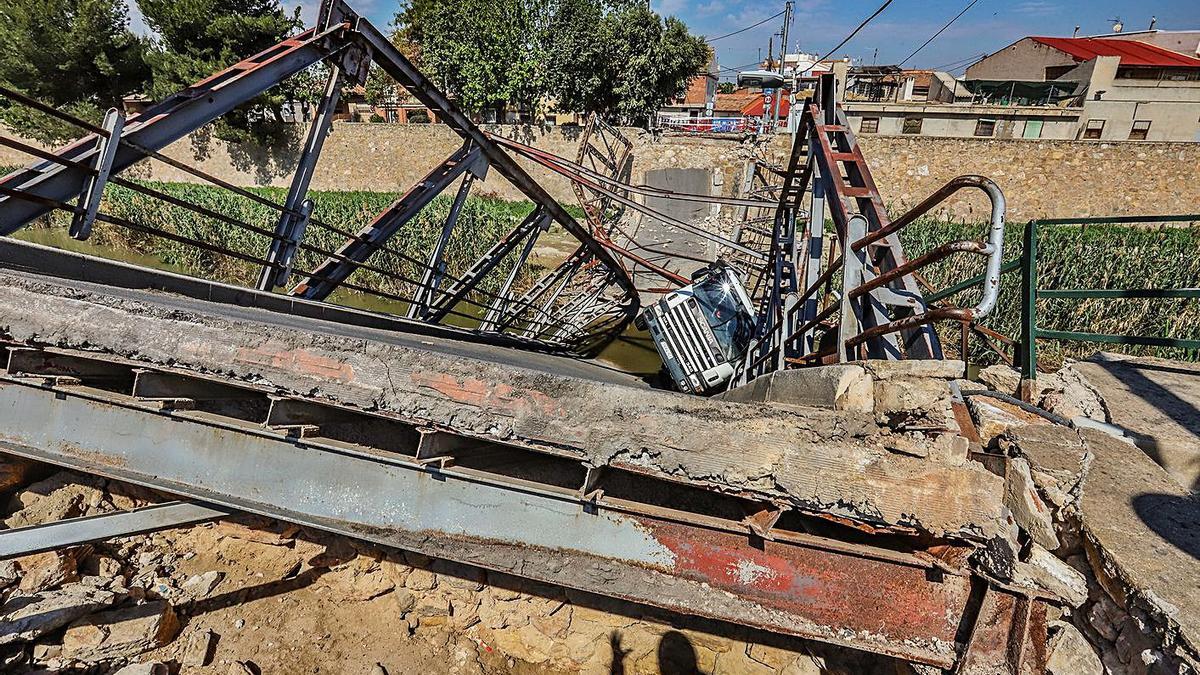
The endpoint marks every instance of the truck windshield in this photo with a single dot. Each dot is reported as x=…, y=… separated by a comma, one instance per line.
x=730, y=322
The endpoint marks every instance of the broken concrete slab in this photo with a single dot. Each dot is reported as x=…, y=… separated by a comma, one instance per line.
x=1046, y=572
x=1068, y=393
x=913, y=401
x=816, y=460
x=994, y=418
x=1157, y=404
x=1001, y=378
x=121, y=633
x=24, y=618
x=839, y=387
x=1028, y=509
x=940, y=369
x=1142, y=535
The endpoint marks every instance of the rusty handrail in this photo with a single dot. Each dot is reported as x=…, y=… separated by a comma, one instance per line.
x=995, y=242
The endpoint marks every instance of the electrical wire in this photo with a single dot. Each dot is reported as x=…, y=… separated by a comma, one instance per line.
x=955, y=65
x=743, y=30
x=856, y=30
x=940, y=31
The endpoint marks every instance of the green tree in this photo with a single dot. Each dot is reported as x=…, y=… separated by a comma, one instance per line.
x=620, y=59
x=197, y=38
x=613, y=57
x=486, y=53
x=77, y=55
x=726, y=88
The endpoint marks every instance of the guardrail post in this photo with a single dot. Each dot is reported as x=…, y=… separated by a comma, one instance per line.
x=1027, y=352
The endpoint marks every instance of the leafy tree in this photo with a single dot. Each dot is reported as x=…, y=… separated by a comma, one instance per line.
x=486, y=53
x=638, y=62
x=77, y=55
x=614, y=57
x=197, y=38
x=726, y=88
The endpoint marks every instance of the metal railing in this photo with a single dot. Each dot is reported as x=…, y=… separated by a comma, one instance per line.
x=1030, y=332
x=992, y=248
x=1024, y=346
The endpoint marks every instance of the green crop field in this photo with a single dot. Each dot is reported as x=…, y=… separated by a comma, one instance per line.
x=396, y=269
x=1080, y=257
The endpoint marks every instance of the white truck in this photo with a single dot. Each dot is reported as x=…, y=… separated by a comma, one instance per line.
x=701, y=331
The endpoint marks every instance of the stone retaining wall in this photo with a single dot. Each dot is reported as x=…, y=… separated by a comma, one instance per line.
x=1040, y=178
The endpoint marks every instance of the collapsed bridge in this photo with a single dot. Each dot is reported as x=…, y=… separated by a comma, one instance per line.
x=869, y=520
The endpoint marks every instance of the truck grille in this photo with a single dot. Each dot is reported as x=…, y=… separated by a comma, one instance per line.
x=690, y=334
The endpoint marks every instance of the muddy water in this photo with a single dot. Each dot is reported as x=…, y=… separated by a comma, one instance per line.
x=633, y=352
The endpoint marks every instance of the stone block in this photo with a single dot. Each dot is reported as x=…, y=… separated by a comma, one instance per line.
x=43, y=571
x=1071, y=654
x=199, y=648
x=200, y=586
x=121, y=633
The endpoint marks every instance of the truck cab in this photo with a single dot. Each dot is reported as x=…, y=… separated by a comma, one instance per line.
x=702, y=330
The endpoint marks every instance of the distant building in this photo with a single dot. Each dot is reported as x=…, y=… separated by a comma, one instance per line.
x=700, y=97
x=1127, y=89
x=1142, y=86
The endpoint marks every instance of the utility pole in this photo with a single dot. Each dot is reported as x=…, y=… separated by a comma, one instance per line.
x=783, y=48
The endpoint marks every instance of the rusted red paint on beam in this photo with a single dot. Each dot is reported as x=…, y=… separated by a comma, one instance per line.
x=850, y=599
x=1009, y=636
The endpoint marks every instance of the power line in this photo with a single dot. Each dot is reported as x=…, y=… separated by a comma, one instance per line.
x=940, y=31
x=855, y=32
x=738, y=68
x=954, y=65
x=743, y=30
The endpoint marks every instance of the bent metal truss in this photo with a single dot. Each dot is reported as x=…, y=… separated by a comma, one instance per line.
x=577, y=306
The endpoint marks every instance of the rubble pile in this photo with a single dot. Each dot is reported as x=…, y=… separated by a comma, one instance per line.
x=1098, y=624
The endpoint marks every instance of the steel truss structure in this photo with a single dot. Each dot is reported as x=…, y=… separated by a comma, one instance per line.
x=578, y=306
x=877, y=310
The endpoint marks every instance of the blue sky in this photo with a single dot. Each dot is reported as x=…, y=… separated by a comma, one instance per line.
x=903, y=26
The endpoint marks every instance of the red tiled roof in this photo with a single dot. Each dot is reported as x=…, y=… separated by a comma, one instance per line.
x=755, y=107
x=1132, y=53
x=733, y=104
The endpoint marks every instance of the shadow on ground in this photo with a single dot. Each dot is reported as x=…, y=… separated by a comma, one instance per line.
x=1174, y=518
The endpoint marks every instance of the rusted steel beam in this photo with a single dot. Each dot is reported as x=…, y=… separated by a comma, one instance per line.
x=1009, y=636
x=551, y=404
x=879, y=600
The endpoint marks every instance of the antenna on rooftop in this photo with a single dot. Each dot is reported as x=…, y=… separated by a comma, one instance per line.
x=1118, y=26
